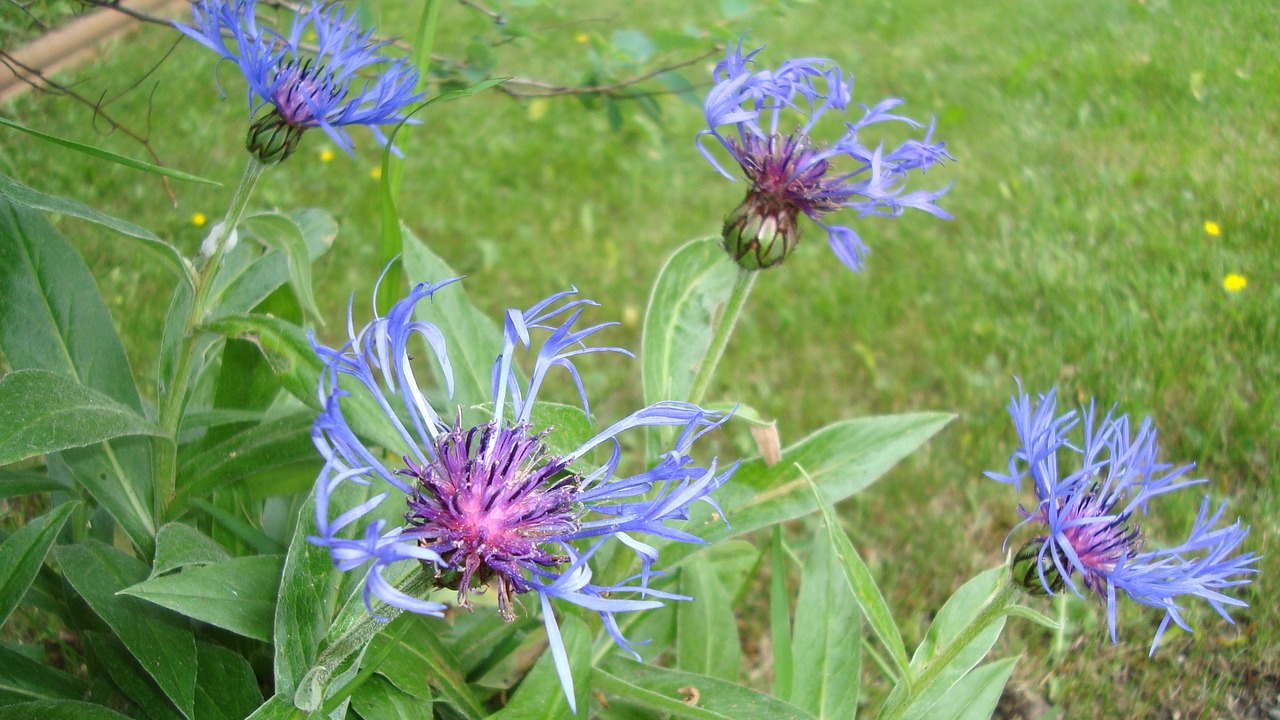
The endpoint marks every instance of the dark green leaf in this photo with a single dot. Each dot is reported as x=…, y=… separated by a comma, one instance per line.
x=129, y=676
x=161, y=641
x=242, y=529
x=686, y=695
x=15, y=483
x=379, y=699
x=20, y=194
x=43, y=412
x=422, y=654
x=308, y=586
x=54, y=319
x=692, y=285
x=58, y=710
x=109, y=156
x=283, y=232
x=828, y=638
x=254, y=449
x=238, y=594
x=179, y=545
x=23, y=679
x=277, y=707
x=474, y=340
x=540, y=696
x=23, y=553
x=706, y=631
x=226, y=688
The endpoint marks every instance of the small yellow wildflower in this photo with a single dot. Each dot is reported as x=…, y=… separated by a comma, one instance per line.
x=311, y=36
x=376, y=173
x=326, y=155
x=1234, y=282
x=198, y=219
x=1212, y=228
x=581, y=37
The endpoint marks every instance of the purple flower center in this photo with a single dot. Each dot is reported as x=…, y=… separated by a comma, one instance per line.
x=789, y=171
x=1101, y=540
x=486, y=505
x=300, y=88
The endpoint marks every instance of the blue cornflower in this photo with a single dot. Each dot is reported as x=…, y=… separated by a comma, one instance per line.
x=1088, y=516
x=305, y=90
x=791, y=174
x=486, y=503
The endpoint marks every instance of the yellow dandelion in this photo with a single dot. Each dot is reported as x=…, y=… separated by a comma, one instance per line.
x=198, y=219
x=311, y=36
x=376, y=173
x=581, y=37
x=1212, y=228
x=326, y=155
x=1234, y=282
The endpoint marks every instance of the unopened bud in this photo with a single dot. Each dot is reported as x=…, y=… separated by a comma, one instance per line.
x=272, y=139
x=1029, y=565
x=760, y=233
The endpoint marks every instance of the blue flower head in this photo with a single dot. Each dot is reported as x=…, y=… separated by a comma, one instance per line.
x=305, y=90
x=790, y=173
x=487, y=504
x=1088, y=516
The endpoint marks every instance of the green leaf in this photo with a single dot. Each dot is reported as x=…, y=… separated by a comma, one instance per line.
x=226, y=688
x=633, y=44
x=780, y=619
x=23, y=679
x=179, y=545
x=308, y=585
x=53, y=319
x=956, y=614
x=174, y=260
x=672, y=693
x=540, y=696
x=976, y=695
x=110, y=654
x=828, y=638
x=23, y=553
x=277, y=707
x=865, y=591
x=248, y=276
x=283, y=232
x=1026, y=613
x=237, y=595
x=252, y=450
x=475, y=341
x=422, y=654
x=161, y=641
x=379, y=699
x=15, y=483
x=42, y=412
x=108, y=155
x=241, y=528
x=706, y=631
x=58, y=710
x=694, y=283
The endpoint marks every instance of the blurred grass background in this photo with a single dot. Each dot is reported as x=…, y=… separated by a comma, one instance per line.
x=1093, y=144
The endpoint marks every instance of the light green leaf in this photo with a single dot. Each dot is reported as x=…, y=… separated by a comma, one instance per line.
x=237, y=595
x=780, y=619
x=865, y=591
x=248, y=276
x=23, y=553
x=976, y=695
x=694, y=283
x=686, y=695
x=161, y=641
x=379, y=699
x=706, y=631
x=44, y=412
x=108, y=155
x=474, y=340
x=1026, y=613
x=179, y=545
x=283, y=232
x=174, y=260
x=308, y=586
x=828, y=638
x=540, y=696
x=277, y=707
x=53, y=319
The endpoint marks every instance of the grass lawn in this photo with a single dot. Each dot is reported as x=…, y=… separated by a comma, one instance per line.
x=1093, y=144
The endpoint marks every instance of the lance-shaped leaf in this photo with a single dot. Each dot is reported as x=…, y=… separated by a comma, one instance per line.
x=283, y=232
x=706, y=632
x=677, y=694
x=238, y=594
x=828, y=638
x=23, y=679
x=43, y=412
x=23, y=553
x=540, y=696
x=58, y=710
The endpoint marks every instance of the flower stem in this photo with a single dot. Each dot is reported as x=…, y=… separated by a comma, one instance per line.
x=993, y=610
x=173, y=403
x=720, y=340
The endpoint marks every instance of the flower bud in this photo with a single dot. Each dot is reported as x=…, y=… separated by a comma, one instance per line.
x=761, y=232
x=1026, y=570
x=272, y=138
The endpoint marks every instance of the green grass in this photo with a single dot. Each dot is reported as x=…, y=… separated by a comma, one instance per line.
x=1091, y=148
